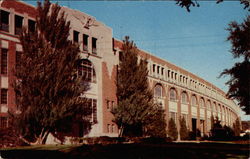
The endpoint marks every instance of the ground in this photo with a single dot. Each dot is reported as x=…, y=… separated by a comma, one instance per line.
x=131, y=151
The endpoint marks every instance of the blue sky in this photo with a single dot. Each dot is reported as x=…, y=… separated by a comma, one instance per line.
x=195, y=41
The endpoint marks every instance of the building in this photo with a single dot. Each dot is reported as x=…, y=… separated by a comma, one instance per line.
x=178, y=91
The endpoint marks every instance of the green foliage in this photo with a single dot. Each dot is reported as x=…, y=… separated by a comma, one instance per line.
x=188, y=3
x=183, y=129
x=172, y=130
x=47, y=88
x=239, y=84
x=136, y=107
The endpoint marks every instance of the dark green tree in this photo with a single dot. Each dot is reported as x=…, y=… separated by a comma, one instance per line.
x=47, y=87
x=172, y=130
x=135, y=100
x=193, y=3
x=183, y=129
x=239, y=83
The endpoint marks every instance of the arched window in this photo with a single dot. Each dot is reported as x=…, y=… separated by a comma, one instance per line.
x=173, y=94
x=214, y=107
x=158, y=90
x=193, y=100
x=184, y=97
x=209, y=105
x=86, y=71
x=202, y=103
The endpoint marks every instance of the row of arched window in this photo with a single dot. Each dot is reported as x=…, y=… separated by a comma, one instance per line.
x=158, y=93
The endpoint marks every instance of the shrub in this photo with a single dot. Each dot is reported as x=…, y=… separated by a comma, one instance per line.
x=172, y=130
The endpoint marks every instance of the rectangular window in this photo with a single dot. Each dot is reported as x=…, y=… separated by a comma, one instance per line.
x=85, y=42
x=108, y=105
x=94, y=48
x=162, y=71
x=18, y=58
x=153, y=67
x=108, y=128
x=18, y=24
x=31, y=25
x=173, y=116
x=3, y=122
x=75, y=36
x=112, y=105
x=158, y=69
x=4, y=21
x=94, y=105
x=4, y=96
x=113, y=128
x=4, y=61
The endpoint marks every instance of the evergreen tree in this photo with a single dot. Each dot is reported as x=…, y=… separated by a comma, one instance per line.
x=183, y=129
x=239, y=84
x=47, y=87
x=172, y=130
x=135, y=100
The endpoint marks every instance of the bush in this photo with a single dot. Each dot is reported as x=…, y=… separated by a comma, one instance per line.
x=172, y=130
x=155, y=140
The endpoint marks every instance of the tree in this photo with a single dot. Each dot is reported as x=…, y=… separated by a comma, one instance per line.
x=172, y=130
x=183, y=129
x=47, y=87
x=135, y=100
x=188, y=3
x=239, y=84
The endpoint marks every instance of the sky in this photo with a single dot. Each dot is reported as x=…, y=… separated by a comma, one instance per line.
x=195, y=41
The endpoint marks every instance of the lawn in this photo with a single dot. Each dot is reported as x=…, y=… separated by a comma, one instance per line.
x=131, y=151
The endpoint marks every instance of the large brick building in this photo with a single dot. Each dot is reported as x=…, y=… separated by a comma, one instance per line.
x=178, y=91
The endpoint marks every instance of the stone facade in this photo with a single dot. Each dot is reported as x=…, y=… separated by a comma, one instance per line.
x=180, y=92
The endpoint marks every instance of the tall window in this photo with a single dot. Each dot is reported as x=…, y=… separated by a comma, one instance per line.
x=3, y=122
x=208, y=105
x=184, y=98
x=4, y=21
x=94, y=48
x=87, y=71
x=18, y=24
x=4, y=62
x=31, y=25
x=158, y=90
x=4, y=96
x=202, y=103
x=173, y=96
x=153, y=67
x=92, y=106
x=214, y=107
x=194, y=100
x=173, y=116
x=18, y=56
x=75, y=36
x=85, y=42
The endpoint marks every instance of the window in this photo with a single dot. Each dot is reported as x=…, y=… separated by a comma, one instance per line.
x=153, y=67
x=18, y=58
x=4, y=62
x=86, y=71
x=18, y=24
x=158, y=90
x=168, y=73
x=113, y=128
x=112, y=105
x=4, y=96
x=193, y=100
x=172, y=94
x=173, y=116
x=94, y=48
x=158, y=69
x=208, y=105
x=4, y=21
x=31, y=25
x=92, y=107
x=3, y=122
x=214, y=107
x=162, y=71
x=108, y=128
x=108, y=105
x=85, y=42
x=184, y=98
x=202, y=103
x=75, y=36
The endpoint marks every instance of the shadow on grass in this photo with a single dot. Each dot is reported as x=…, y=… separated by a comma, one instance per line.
x=136, y=151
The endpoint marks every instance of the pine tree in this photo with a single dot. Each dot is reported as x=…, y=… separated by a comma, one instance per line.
x=47, y=87
x=183, y=129
x=135, y=100
x=172, y=130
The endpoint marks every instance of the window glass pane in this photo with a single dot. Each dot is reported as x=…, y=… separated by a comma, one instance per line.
x=4, y=58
